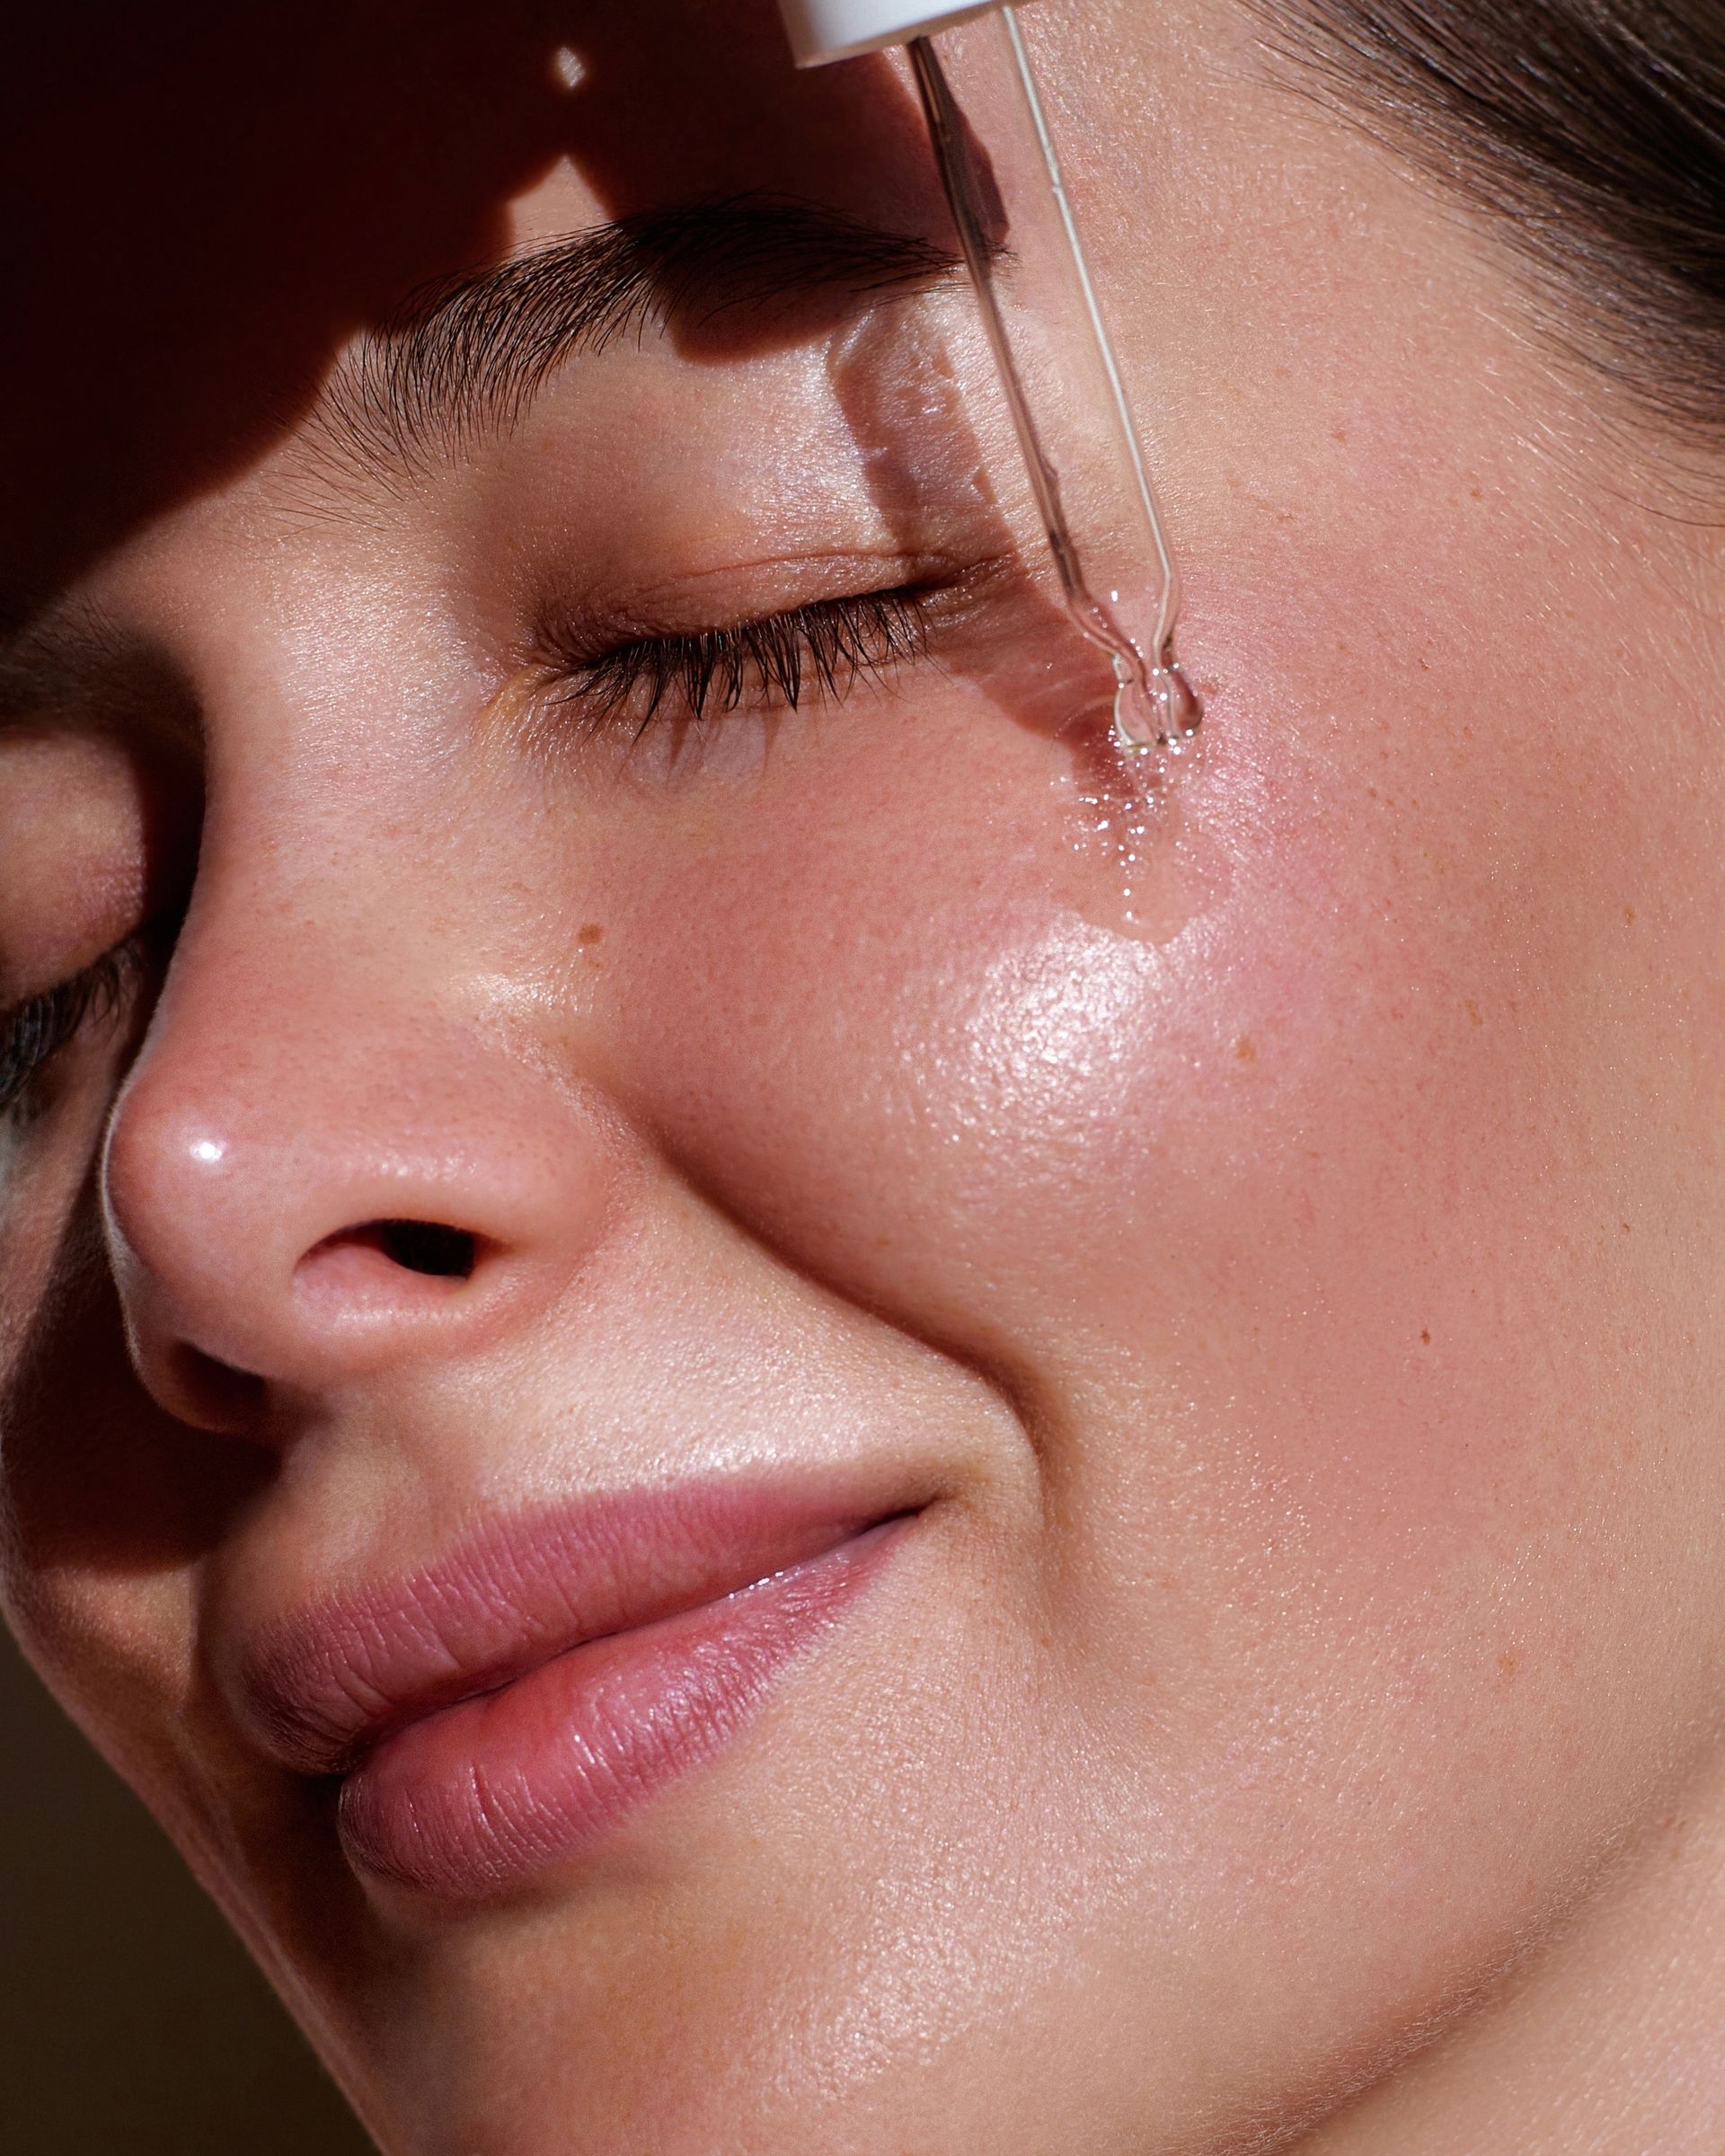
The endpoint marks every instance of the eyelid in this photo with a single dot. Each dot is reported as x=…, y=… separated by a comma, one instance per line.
x=733, y=591
x=765, y=658
x=35, y=1033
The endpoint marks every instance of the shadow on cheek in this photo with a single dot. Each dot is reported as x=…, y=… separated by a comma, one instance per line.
x=94, y=1476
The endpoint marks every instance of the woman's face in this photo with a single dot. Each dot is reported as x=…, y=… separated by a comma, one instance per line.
x=1202, y=1307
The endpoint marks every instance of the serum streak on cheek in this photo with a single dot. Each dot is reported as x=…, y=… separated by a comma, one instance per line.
x=1138, y=862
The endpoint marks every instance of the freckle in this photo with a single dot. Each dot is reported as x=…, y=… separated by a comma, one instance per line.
x=1339, y=434
x=1509, y=1662
x=1476, y=493
x=1424, y=1339
x=592, y=934
x=1624, y=1224
x=1243, y=1050
x=1472, y=1010
x=1629, y=916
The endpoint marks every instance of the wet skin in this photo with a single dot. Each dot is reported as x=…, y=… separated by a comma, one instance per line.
x=1285, y=1309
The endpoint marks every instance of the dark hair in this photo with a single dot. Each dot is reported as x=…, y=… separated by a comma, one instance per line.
x=1592, y=130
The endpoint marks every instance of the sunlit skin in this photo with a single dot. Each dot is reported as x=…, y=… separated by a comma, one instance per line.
x=1291, y=1296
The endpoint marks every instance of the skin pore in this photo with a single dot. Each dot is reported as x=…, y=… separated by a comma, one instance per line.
x=1291, y=1313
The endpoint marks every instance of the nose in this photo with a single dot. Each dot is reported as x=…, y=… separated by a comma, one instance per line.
x=294, y=1207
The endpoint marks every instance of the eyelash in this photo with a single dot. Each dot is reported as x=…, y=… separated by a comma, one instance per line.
x=35, y=1033
x=824, y=648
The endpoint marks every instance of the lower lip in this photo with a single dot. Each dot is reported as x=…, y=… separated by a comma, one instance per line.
x=484, y=1795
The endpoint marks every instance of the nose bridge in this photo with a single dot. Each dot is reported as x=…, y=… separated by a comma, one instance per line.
x=328, y=1161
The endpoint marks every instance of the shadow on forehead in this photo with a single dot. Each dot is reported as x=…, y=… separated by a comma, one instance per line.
x=470, y=354
x=203, y=204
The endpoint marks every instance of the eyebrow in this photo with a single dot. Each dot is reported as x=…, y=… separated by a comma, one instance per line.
x=468, y=355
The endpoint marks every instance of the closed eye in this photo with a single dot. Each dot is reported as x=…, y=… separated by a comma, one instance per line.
x=34, y=1034
x=818, y=652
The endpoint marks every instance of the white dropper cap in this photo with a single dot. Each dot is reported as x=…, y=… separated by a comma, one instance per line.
x=835, y=30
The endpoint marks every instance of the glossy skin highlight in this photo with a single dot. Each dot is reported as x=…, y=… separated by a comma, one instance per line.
x=1292, y=1314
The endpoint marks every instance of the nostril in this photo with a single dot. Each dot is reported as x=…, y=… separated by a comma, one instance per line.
x=424, y=1246
x=417, y=1246
x=388, y=1264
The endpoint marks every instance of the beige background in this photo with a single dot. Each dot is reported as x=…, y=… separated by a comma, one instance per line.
x=130, y=2022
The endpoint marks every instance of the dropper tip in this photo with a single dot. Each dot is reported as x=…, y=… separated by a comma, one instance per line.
x=1157, y=707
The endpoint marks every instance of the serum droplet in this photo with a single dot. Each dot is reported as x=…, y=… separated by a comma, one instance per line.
x=1153, y=709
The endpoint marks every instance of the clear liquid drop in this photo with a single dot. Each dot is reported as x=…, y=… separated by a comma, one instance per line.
x=1153, y=708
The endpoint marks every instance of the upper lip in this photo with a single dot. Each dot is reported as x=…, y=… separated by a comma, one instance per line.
x=316, y=1688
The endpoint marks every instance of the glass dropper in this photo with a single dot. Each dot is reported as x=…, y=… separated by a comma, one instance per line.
x=1088, y=474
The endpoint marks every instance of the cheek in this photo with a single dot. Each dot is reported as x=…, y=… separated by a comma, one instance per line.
x=1296, y=1179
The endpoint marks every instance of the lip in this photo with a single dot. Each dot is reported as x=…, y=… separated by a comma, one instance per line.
x=497, y=1711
